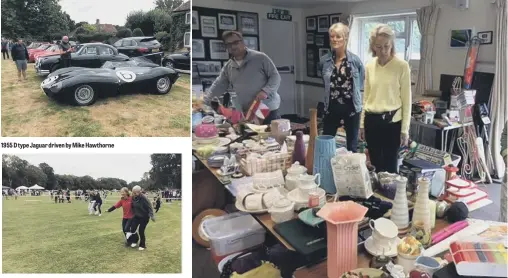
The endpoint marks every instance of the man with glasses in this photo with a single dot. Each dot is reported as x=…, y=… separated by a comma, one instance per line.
x=251, y=74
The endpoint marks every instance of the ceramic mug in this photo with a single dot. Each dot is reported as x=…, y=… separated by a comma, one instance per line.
x=384, y=232
x=407, y=262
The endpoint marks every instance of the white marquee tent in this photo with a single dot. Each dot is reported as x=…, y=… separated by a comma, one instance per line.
x=21, y=188
x=36, y=187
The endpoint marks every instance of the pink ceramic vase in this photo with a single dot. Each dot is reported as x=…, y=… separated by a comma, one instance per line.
x=342, y=235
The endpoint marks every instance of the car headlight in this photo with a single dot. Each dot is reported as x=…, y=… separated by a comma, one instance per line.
x=56, y=87
x=49, y=80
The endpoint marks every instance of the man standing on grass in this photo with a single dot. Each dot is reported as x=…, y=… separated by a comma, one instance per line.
x=19, y=55
x=5, y=48
x=65, y=52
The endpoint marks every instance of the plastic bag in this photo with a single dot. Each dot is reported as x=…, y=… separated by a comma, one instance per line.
x=351, y=175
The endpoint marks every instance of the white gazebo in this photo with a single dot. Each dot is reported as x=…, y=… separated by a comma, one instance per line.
x=21, y=188
x=36, y=187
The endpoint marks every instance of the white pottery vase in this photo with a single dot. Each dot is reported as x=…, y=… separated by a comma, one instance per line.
x=400, y=209
x=421, y=226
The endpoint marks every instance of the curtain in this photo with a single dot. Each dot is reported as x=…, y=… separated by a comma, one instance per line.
x=498, y=105
x=350, y=22
x=427, y=21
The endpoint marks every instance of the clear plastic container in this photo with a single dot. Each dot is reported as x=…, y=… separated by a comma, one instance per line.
x=233, y=233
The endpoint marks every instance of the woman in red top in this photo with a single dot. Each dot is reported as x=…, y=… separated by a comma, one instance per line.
x=126, y=204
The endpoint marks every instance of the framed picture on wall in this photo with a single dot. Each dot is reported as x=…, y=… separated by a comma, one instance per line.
x=311, y=24
x=198, y=48
x=310, y=38
x=209, y=27
x=251, y=42
x=460, y=38
x=195, y=20
x=320, y=40
x=311, y=63
x=207, y=68
x=334, y=18
x=227, y=21
x=323, y=24
x=323, y=52
x=248, y=23
x=218, y=50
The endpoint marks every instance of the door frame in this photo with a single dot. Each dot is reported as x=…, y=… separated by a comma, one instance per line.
x=294, y=64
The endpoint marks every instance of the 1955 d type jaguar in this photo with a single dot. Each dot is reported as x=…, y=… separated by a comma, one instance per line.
x=82, y=86
x=89, y=55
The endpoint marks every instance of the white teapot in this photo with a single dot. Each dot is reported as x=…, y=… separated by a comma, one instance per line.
x=293, y=175
x=308, y=183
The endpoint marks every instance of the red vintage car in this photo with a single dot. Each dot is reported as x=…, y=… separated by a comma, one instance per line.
x=32, y=51
x=52, y=50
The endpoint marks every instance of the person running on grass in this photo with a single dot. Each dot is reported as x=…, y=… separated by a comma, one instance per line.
x=98, y=204
x=126, y=203
x=143, y=212
x=157, y=203
x=91, y=203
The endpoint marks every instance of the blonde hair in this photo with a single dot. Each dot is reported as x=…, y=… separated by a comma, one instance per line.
x=125, y=190
x=341, y=29
x=385, y=31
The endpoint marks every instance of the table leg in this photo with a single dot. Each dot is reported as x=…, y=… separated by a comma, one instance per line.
x=442, y=139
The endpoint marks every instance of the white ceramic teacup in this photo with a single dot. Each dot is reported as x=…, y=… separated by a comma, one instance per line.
x=384, y=232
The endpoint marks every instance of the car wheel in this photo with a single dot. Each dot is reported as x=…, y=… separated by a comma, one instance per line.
x=84, y=95
x=163, y=85
x=169, y=64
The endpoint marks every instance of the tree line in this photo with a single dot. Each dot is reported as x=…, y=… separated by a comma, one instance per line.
x=44, y=20
x=165, y=173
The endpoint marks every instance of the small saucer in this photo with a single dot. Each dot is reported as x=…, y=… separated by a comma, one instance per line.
x=374, y=251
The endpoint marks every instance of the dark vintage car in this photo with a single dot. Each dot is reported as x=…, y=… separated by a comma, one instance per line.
x=179, y=61
x=88, y=55
x=148, y=47
x=82, y=86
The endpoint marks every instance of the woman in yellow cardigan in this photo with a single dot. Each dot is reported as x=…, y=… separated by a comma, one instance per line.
x=386, y=113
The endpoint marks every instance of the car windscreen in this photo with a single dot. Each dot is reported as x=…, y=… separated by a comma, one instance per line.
x=44, y=46
x=133, y=62
x=151, y=42
x=53, y=48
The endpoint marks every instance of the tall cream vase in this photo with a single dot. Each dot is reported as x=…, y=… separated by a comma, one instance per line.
x=421, y=226
x=400, y=209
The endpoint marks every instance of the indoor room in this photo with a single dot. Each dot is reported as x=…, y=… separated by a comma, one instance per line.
x=282, y=174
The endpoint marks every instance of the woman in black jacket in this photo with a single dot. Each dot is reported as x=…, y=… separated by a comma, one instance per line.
x=143, y=212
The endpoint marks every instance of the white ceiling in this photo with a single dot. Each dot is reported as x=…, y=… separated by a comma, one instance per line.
x=296, y=3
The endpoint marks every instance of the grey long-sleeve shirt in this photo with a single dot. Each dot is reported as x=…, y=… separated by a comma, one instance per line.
x=256, y=73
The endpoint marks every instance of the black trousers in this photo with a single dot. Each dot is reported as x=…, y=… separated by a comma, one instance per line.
x=5, y=53
x=139, y=223
x=273, y=115
x=66, y=62
x=383, y=142
x=97, y=205
x=351, y=124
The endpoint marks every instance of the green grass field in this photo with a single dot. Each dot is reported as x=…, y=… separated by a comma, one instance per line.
x=44, y=237
x=28, y=112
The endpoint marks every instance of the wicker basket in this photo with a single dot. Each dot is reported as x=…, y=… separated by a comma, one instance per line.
x=279, y=161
